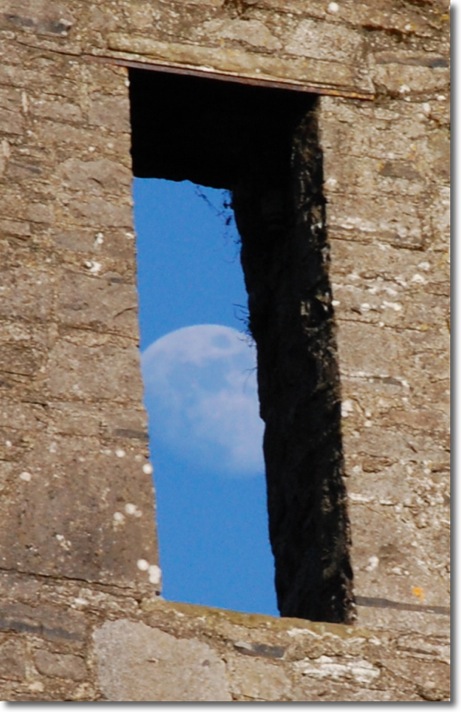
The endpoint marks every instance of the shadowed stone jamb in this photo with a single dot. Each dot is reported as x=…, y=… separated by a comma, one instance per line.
x=280, y=212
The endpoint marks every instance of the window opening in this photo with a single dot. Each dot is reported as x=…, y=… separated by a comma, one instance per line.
x=200, y=393
x=262, y=144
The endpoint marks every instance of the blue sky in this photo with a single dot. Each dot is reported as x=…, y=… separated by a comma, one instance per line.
x=200, y=393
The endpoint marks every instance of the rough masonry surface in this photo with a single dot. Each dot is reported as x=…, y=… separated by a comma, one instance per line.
x=77, y=503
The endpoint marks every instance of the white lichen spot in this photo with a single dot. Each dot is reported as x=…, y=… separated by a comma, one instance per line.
x=427, y=108
x=361, y=498
x=441, y=97
x=147, y=468
x=53, y=447
x=333, y=7
x=63, y=542
x=347, y=407
x=25, y=476
x=335, y=303
x=365, y=307
x=91, y=149
x=142, y=565
x=424, y=266
x=36, y=686
x=8, y=443
x=302, y=632
x=25, y=102
x=81, y=601
x=118, y=517
x=93, y=266
x=368, y=423
x=129, y=235
x=419, y=279
x=119, y=452
x=326, y=667
x=331, y=182
x=392, y=305
x=132, y=510
x=243, y=645
x=373, y=563
x=375, y=641
x=155, y=574
x=99, y=239
x=6, y=151
x=404, y=89
x=364, y=672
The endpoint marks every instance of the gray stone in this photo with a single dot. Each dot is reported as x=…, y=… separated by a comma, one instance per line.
x=257, y=680
x=137, y=663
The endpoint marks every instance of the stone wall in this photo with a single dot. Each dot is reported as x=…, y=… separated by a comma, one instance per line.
x=81, y=616
x=72, y=641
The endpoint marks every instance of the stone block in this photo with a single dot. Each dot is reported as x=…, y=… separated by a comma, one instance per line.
x=97, y=176
x=51, y=108
x=62, y=488
x=99, y=213
x=27, y=292
x=48, y=622
x=405, y=79
x=109, y=112
x=256, y=680
x=63, y=665
x=88, y=366
x=137, y=663
x=98, y=303
x=13, y=657
x=322, y=39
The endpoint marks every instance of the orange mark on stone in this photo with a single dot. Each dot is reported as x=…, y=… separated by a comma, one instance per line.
x=418, y=592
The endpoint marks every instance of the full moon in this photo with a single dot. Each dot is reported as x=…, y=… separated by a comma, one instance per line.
x=201, y=394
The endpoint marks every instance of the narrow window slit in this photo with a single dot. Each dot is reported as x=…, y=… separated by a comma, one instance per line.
x=262, y=144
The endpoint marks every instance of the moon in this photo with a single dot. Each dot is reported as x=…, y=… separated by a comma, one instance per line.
x=201, y=395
